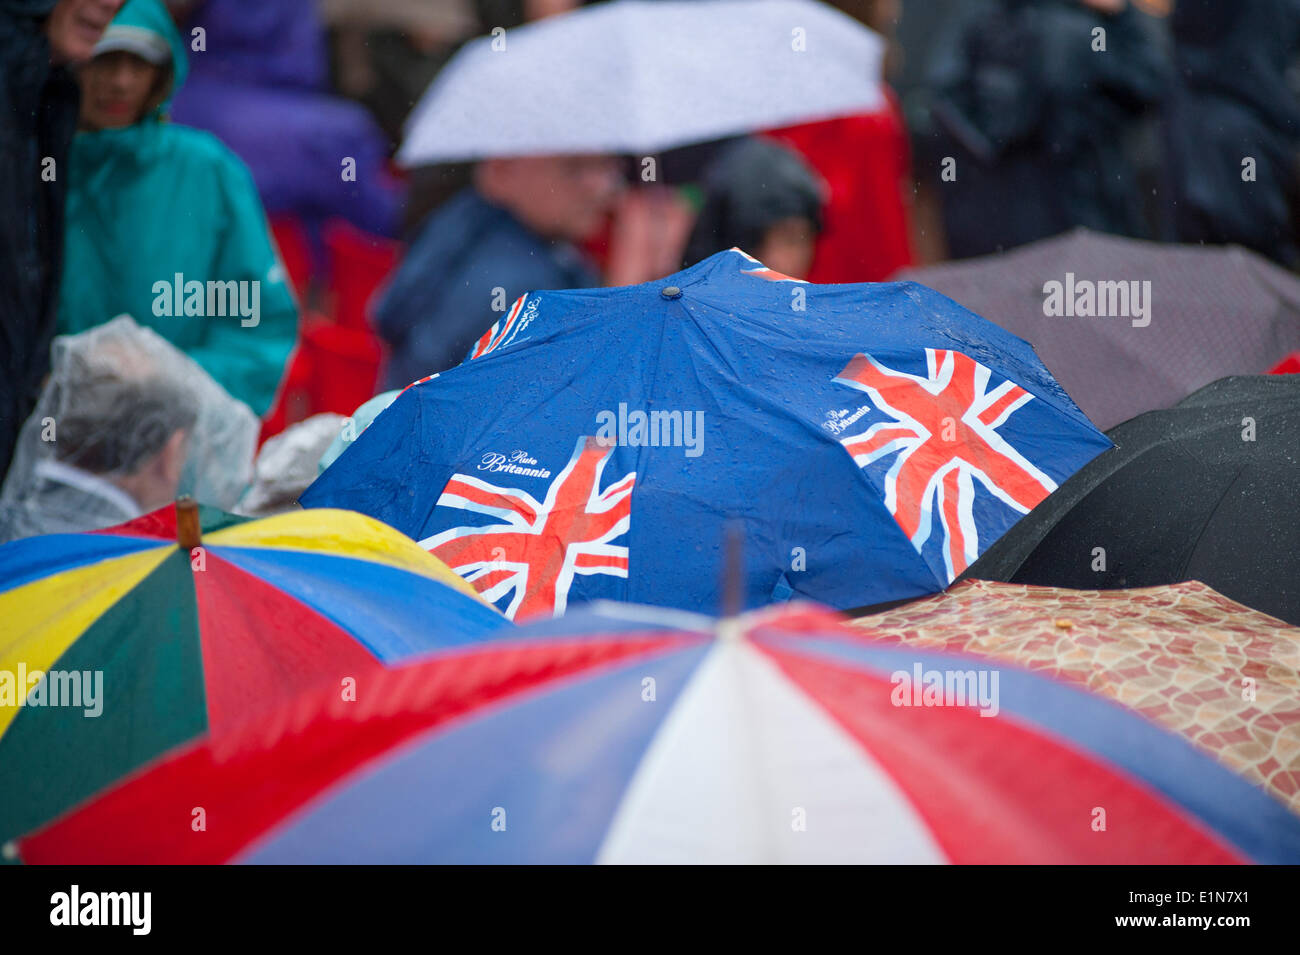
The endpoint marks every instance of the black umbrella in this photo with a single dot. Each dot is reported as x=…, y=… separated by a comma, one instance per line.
x=1207, y=490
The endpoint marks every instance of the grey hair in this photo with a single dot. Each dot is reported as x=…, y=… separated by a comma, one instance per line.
x=117, y=410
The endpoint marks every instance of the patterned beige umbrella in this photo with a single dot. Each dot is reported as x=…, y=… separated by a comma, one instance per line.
x=1225, y=676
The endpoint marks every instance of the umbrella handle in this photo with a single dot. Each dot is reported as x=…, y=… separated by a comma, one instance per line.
x=189, y=535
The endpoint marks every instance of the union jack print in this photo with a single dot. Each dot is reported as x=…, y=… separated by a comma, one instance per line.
x=501, y=328
x=944, y=437
x=420, y=381
x=542, y=544
x=763, y=272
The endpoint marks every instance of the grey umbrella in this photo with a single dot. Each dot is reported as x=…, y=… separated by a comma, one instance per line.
x=1195, y=314
x=635, y=76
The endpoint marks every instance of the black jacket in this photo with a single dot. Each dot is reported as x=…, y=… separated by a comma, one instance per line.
x=1231, y=100
x=1037, y=121
x=38, y=116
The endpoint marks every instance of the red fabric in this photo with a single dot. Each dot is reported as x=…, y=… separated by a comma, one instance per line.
x=358, y=264
x=295, y=251
x=160, y=523
x=333, y=369
x=261, y=645
x=344, y=366
x=336, y=364
x=293, y=400
x=999, y=793
x=1290, y=365
x=865, y=161
x=247, y=781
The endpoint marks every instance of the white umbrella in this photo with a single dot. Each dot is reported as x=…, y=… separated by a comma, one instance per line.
x=639, y=76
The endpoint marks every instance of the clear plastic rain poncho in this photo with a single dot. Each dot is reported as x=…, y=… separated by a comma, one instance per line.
x=287, y=464
x=124, y=424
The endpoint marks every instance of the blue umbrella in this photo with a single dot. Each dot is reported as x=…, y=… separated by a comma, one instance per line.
x=872, y=440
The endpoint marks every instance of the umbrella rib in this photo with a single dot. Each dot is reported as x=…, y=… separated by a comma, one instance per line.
x=1182, y=571
x=751, y=714
x=776, y=408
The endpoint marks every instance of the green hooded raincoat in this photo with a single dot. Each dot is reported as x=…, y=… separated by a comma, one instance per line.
x=161, y=219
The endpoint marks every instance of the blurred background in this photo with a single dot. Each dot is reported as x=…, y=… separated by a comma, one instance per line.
x=1040, y=136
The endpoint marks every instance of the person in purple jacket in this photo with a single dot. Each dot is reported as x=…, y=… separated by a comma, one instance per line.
x=260, y=83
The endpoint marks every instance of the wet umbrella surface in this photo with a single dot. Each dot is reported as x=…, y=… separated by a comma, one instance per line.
x=1206, y=490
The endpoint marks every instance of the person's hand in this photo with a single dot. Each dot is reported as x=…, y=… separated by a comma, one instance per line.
x=651, y=225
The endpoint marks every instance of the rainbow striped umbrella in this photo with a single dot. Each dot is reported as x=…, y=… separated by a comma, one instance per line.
x=116, y=646
x=779, y=739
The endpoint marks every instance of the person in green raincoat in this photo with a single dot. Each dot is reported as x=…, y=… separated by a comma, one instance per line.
x=164, y=223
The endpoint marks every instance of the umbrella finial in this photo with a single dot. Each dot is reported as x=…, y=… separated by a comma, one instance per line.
x=189, y=535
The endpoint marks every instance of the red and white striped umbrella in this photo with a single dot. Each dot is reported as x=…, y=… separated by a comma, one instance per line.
x=782, y=737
